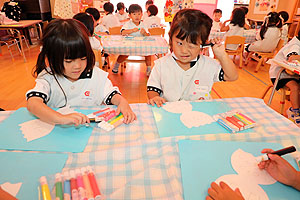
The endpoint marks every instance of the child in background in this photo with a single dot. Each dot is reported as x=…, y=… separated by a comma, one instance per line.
x=99, y=28
x=152, y=21
x=291, y=51
x=185, y=74
x=285, y=28
x=66, y=76
x=109, y=20
x=235, y=27
x=280, y=169
x=135, y=28
x=269, y=34
x=121, y=14
x=147, y=4
x=217, y=15
x=247, y=25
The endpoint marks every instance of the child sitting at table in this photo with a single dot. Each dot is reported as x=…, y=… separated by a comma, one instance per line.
x=235, y=27
x=247, y=25
x=217, y=15
x=185, y=74
x=99, y=28
x=66, y=76
x=147, y=4
x=291, y=51
x=135, y=28
x=152, y=21
x=285, y=27
x=109, y=20
x=269, y=34
x=121, y=14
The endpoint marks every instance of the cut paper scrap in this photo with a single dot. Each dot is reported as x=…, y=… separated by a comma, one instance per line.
x=246, y=168
x=36, y=128
x=12, y=189
x=170, y=123
x=59, y=139
x=27, y=168
x=203, y=162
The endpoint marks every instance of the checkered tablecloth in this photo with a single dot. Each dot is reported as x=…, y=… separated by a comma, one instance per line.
x=132, y=162
x=134, y=46
x=248, y=34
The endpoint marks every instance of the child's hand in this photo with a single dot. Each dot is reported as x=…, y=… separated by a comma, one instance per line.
x=74, y=118
x=143, y=31
x=218, y=48
x=159, y=101
x=125, y=109
x=223, y=192
x=135, y=30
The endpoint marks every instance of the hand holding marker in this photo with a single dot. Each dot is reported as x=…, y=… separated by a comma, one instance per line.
x=280, y=152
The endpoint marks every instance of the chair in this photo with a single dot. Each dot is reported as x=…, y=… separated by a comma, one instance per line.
x=9, y=41
x=157, y=31
x=283, y=92
x=98, y=57
x=262, y=56
x=115, y=30
x=239, y=40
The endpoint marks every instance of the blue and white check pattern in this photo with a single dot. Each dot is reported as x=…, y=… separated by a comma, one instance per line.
x=248, y=34
x=134, y=46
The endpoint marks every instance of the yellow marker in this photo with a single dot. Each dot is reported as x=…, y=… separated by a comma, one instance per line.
x=247, y=121
x=117, y=119
x=45, y=188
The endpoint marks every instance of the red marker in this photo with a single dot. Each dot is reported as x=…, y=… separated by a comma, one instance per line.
x=74, y=189
x=93, y=182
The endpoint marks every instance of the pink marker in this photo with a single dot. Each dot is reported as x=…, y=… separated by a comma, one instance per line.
x=99, y=111
x=81, y=189
x=110, y=116
x=94, y=184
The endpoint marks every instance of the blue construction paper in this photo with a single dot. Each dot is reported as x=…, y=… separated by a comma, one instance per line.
x=27, y=168
x=169, y=124
x=61, y=139
x=202, y=162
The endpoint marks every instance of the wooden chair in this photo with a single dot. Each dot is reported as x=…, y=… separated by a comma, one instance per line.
x=283, y=93
x=115, y=30
x=239, y=40
x=262, y=56
x=157, y=31
x=98, y=58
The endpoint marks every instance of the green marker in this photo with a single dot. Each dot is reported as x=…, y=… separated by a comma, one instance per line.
x=58, y=187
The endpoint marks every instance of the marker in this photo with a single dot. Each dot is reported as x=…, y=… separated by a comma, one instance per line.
x=230, y=119
x=93, y=182
x=207, y=45
x=74, y=189
x=67, y=186
x=280, y=152
x=5, y=195
x=246, y=117
x=104, y=113
x=99, y=111
x=58, y=187
x=120, y=116
x=45, y=189
x=238, y=121
x=220, y=121
x=87, y=185
x=81, y=189
x=110, y=116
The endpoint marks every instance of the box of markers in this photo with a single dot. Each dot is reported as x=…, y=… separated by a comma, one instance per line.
x=234, y=121
x=73, y=184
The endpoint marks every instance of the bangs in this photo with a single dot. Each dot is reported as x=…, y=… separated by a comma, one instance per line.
x=71, y=49
x=191, y=36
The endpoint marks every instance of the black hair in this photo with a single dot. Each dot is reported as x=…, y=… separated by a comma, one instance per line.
x=298, y=36
x=87, y=20
x=135, y=8
x=238, y=17
x=64, y=39
x=217, y=11
x=285, y=15
x=149, y=2
x=120, y=5
x=94, y=12
x=191, y=25
x=245, y=9
x=153, y=10
x=271, y=20
x=108, y=7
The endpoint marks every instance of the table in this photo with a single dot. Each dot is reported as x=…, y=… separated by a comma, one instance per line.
x=132, y=162
x=248, y=34
x=134, y=46
x=284, y=67
x=23, y=24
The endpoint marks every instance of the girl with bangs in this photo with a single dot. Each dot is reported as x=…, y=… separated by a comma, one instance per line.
x=66, y=76
x=185, y=74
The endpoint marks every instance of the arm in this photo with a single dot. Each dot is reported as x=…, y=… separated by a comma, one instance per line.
x=154, y=98
x=124, y=108
x=229, y=68
x=224, y=27
x=223, y=192
x=36, y=106
x=144, y=33
x=129, y=31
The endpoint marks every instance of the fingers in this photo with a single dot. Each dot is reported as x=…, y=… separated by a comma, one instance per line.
x=267, y=151
x=237, y=190
x=213, y=190
x=224, y=186
x=129, y=117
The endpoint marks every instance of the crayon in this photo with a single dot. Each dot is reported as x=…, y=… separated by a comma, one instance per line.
x=93, y=182
x=67, y=186
x=45, y=189
x=87, y=185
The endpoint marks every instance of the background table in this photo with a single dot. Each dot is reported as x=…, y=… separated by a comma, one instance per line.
x=248, y=34
x=134, y=46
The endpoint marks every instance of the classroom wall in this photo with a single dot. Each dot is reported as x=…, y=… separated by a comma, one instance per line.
x=286, y=5
x=206, y=6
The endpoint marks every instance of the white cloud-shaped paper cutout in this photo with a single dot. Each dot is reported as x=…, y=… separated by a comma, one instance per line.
x=12, y=189
x=195, y=119
x=177, y=106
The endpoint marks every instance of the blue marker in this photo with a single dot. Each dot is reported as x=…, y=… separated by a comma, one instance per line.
x=67, y=186
x=220, y=121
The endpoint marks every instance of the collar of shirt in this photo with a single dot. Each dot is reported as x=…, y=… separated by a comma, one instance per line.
x=192, y=63
x=86, y=74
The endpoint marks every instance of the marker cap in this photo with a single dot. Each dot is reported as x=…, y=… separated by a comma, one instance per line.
x=58, y=177
x=89, y=169
x=43, y=180
x=72, y=173
x=66, y=175
x=83, y=170
x=78, y=172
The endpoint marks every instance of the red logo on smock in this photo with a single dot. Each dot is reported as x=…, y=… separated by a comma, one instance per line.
x=196, y=82
x=87, y=93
